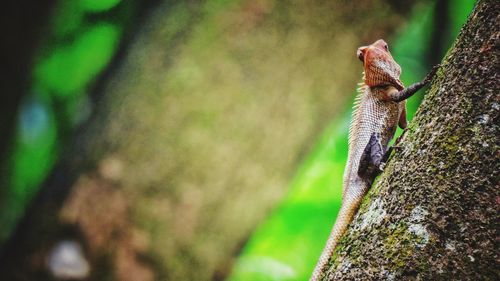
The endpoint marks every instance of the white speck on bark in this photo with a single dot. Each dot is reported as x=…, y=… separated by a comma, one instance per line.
x=418, y=214
x=450, y=246
x=419, y=231
x=416, y=227
x=374, y=215
x=345, y=265
x=389, y=276
x=484, y=118
x=66, y=261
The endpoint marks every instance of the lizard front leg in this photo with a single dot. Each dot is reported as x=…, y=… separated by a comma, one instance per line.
x=402, y=95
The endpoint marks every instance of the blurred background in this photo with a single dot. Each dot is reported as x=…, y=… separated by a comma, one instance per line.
x=188, y=140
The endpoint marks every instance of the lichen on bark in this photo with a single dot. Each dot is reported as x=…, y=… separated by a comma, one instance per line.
x=433, y=213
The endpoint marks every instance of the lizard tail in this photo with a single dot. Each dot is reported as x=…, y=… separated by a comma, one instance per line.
x=349, y=208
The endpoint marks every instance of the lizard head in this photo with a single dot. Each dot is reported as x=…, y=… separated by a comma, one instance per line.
x=380, y=68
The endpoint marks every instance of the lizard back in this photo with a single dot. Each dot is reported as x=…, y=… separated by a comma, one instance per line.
x=371, y=114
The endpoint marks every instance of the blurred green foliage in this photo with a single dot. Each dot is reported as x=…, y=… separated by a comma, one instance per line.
x=82, y=37
x=35, y=146
x=70, y=68
x=287, y=245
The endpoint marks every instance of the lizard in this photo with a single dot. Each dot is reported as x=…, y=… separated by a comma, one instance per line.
x=379, y=108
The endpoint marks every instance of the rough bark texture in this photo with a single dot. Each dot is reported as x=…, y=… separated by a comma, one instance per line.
x=197, y=136
x=433, y=214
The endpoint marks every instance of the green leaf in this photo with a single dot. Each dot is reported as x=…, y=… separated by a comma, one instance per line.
x=71, y=67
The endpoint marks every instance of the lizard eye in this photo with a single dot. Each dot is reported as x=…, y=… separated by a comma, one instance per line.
x=361, y=53
x=360, y=56
x=386, y=47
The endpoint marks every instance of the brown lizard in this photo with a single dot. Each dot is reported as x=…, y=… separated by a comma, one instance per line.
x=379, y=107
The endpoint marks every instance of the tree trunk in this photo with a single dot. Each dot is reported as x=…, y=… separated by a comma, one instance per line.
x=433, y=213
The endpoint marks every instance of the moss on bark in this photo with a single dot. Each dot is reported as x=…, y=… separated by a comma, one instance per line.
x=433, y=213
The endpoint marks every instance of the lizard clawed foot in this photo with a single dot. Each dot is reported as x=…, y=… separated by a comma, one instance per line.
x=431, y=74
x=385, y=158
x=398, y=147
x=387, y=154
x=381, y=167
x=400, y=138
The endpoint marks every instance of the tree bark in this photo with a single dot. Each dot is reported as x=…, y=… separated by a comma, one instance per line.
x=433, y=213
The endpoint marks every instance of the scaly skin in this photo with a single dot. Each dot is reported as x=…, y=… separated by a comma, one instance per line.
x=380, y=106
